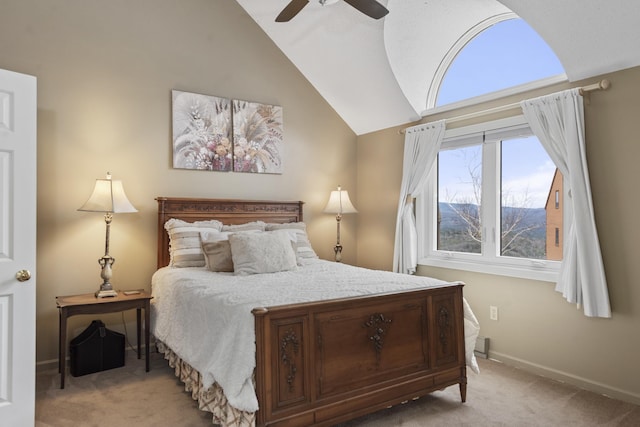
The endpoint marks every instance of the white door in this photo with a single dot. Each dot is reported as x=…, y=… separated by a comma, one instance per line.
x=17, y=248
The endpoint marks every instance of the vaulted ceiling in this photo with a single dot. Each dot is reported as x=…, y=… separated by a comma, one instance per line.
x=378, y=74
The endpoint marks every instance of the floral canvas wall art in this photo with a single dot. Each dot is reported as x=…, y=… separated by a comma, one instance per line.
x=201, y=132
x=257, y=137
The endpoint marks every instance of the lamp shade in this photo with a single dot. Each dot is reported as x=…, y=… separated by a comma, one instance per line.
x=339, y=203
x=108, y=196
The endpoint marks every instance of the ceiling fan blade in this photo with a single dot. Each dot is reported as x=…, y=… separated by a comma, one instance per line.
x=369, y=7
x=291, y=10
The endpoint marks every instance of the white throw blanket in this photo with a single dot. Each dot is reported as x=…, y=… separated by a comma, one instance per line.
x=206, y=319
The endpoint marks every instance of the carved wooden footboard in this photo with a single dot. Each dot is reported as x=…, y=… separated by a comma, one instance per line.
x=326, y=362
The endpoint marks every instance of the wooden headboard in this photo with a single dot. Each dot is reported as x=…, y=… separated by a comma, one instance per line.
x=226, y=211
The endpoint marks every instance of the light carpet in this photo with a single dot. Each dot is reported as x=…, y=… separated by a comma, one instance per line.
x=499, y=396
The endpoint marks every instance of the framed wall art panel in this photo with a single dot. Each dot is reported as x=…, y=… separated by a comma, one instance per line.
x=257, y=137
x=201, y=132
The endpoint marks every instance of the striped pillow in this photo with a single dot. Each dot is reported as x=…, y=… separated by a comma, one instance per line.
x=184, y=241
x=303, y=245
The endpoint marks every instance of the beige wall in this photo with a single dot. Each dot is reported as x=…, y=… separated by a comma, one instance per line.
x=105, y=73
x=537, y=328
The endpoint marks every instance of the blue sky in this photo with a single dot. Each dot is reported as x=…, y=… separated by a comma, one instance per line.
x=507, y=54
x=527, y=169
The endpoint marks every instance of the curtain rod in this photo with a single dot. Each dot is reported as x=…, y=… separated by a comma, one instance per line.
x=601, y=85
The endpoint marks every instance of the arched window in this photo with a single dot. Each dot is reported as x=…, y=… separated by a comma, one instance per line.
x=506, y=54
x=487, y=206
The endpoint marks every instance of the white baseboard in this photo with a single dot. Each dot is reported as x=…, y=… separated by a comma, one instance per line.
x=574, y=380
x=47, y=365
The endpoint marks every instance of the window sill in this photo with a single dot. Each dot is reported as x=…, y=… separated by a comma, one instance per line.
x=524, y=270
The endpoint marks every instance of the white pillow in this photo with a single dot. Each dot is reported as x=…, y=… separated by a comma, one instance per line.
x=255, y=253
x=303, y=245
x=185, y=249
x=217, y=251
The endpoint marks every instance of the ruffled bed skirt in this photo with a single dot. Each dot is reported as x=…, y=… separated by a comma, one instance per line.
x=212, y=399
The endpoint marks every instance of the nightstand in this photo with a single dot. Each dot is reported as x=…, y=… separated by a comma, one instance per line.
x=88, y=304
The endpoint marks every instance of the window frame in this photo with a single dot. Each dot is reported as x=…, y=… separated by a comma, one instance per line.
x=489, y=261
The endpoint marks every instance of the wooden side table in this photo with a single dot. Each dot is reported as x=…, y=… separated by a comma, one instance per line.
x=88, y=304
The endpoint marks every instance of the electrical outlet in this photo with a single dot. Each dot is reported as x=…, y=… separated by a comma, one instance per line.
x=493, y=312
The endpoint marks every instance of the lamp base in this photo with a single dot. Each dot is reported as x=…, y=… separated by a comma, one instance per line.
x=106, y=293
x=338, y=251
x=106, y=290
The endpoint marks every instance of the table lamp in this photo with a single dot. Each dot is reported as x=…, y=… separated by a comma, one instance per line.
x=108, y=197
x=339, y=204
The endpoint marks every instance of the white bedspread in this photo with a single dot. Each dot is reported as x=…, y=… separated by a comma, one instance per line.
x=219, y=337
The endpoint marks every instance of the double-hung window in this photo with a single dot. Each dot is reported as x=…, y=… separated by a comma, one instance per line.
x=489, y=201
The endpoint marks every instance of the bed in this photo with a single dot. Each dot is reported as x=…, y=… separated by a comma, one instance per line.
x=306, y=362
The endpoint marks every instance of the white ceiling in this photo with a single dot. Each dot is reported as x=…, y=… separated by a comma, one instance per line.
x=377, y=74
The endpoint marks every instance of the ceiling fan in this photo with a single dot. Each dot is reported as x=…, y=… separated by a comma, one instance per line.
x=369, y=7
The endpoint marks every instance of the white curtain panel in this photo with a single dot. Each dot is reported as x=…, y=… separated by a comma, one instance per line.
x=558, y=122
x=421, y=146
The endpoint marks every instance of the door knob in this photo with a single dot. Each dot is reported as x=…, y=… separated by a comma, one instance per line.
x=23, y=275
